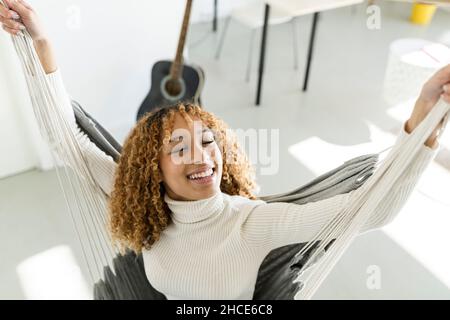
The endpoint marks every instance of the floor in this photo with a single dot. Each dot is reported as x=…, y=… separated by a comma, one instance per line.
x=341, y=116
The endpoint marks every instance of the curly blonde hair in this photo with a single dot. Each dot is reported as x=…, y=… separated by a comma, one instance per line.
x=138, y=212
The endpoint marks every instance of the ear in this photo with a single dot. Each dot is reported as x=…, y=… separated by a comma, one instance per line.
x=160, y=176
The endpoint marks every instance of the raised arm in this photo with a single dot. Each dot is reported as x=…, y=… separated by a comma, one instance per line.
x=19, y=16
x=270, y=226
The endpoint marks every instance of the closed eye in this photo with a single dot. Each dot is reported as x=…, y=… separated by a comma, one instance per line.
x=184, y=148
x=178, y=150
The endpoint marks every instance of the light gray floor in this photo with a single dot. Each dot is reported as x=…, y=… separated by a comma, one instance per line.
x=344, y=97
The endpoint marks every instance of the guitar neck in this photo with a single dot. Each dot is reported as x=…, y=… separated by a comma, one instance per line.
x=175, y=69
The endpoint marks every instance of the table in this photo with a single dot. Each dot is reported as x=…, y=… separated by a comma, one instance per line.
x=296, y=8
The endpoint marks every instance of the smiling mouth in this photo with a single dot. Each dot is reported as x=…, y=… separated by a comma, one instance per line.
x=202, y=175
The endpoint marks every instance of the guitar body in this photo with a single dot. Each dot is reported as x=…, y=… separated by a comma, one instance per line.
x=191, y=80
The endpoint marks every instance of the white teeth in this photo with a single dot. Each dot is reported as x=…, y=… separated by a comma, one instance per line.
x=203, y=174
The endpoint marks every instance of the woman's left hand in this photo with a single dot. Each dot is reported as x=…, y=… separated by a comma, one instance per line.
x=437, y=87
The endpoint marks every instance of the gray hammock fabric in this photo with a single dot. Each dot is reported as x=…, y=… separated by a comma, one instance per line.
x=281, y=266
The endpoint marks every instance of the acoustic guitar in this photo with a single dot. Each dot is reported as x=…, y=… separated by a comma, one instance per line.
x=174, y=81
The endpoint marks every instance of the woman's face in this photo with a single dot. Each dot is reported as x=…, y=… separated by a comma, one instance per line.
x=191, y=164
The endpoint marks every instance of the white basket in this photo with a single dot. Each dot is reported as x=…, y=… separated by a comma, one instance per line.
x=411, y=63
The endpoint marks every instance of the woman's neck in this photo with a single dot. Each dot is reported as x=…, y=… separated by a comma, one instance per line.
x=187, y=212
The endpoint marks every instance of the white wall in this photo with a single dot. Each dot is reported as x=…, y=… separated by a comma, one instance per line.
x=17, y=150
x=105, y=50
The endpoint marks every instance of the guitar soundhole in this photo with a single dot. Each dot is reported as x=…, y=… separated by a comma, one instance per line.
x=173, y=90
x=173, y=87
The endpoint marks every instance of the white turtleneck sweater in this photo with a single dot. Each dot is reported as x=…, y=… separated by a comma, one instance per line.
x=213, y=248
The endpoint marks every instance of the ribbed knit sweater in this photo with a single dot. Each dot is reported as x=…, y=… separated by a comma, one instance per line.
x=213, y=248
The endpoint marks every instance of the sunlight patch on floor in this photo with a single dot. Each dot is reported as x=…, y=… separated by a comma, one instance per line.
x=320, y=156
x=53, y=274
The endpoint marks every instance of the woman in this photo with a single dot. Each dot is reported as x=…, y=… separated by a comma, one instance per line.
x=183, y=191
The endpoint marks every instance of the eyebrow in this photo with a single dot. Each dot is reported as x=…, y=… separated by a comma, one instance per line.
x=177, y=138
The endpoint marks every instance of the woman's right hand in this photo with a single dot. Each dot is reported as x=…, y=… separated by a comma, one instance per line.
x=437, y=87
x=20, y=16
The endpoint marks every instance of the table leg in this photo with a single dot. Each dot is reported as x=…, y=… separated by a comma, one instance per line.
x=310, y=49
x=215, y=17
x=262, y=53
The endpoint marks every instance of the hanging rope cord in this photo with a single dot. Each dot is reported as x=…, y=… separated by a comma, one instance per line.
x=345, y=226
x=88, y=204
x=86, y=201
x=81, y=192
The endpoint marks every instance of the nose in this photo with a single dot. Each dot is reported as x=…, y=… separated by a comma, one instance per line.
x=199, y=155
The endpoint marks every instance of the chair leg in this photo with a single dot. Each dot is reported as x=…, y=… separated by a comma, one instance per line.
x=294, y=42
x=250, y=55
x=222, y=37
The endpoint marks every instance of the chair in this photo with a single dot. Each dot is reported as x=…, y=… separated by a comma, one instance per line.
x=251, y=15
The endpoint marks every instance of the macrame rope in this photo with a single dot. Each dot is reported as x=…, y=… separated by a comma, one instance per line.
x=364, y=201
x=86, y=201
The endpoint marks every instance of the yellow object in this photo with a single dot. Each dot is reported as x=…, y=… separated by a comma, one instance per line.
x=422, y=13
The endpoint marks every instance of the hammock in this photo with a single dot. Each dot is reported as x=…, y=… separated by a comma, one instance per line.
x=126, y=278
x=121, y=276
